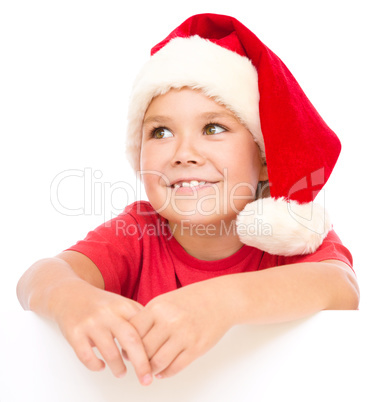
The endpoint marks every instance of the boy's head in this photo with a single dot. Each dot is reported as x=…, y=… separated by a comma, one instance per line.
x=199, y=163
x=197, y=63
x=223, y=60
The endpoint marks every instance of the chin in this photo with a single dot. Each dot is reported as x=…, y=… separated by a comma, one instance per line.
x=197, y=219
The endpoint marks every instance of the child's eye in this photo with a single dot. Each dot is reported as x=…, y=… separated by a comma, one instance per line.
x=213, y=129
x=161, y=132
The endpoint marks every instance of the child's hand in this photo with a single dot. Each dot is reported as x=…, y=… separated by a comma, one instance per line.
x=91, y=317
x=179, y=326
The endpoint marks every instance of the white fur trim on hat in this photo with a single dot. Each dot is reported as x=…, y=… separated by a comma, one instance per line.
x=225, y=76
x=283, y=227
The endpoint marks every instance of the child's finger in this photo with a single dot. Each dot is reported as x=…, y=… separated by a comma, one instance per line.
x=87, y=356
x=155, y=339
x=110, y=353
x=142, y=322
x=167, y=353
x=177, y=365
x=133, y=348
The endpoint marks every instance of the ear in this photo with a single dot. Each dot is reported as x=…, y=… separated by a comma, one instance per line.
x=263, y=176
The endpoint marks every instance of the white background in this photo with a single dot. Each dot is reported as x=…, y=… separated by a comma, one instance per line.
x=323, y=358
x=66, y=68
x=65, y=74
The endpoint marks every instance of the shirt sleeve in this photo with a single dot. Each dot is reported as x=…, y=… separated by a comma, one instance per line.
x=331, y=249
x=115, y=248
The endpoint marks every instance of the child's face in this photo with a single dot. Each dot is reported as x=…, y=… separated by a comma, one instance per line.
x=189, y=138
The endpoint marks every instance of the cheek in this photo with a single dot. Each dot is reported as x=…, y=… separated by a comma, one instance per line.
x=145, y=158
x=151, y=180
x=155, y=187
x=243, y=178
x=241, y=195
x=244, y=167
x=154, y=158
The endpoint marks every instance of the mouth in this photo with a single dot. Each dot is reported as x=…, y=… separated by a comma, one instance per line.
x=194, y=183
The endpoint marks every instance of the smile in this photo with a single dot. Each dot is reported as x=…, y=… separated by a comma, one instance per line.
x=192, y=183
x=187, y=185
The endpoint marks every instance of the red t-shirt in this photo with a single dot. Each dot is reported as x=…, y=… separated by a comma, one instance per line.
x=139, y=258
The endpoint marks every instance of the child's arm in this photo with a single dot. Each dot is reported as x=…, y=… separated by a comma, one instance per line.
x=179, y=326
x=69, y=290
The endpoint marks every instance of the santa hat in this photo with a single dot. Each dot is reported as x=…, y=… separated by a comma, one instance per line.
x=227, y=62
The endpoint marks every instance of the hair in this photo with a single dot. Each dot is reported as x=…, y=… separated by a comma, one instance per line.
x=263, y=190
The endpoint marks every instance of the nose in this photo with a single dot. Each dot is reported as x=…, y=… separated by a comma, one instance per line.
x=187, y=153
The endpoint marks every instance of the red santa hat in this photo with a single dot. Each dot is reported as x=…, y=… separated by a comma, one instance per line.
x=227, y=62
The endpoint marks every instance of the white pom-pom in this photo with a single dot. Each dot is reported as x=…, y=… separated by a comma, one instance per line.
x=283, y=227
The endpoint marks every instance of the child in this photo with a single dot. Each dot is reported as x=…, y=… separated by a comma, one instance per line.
x=232, y=154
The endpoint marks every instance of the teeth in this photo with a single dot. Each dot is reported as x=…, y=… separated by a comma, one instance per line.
x=192, y=183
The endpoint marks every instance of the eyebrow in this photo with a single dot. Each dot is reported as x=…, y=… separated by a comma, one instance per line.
x=215, y=115
x=206, y=115
x=156, y=119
